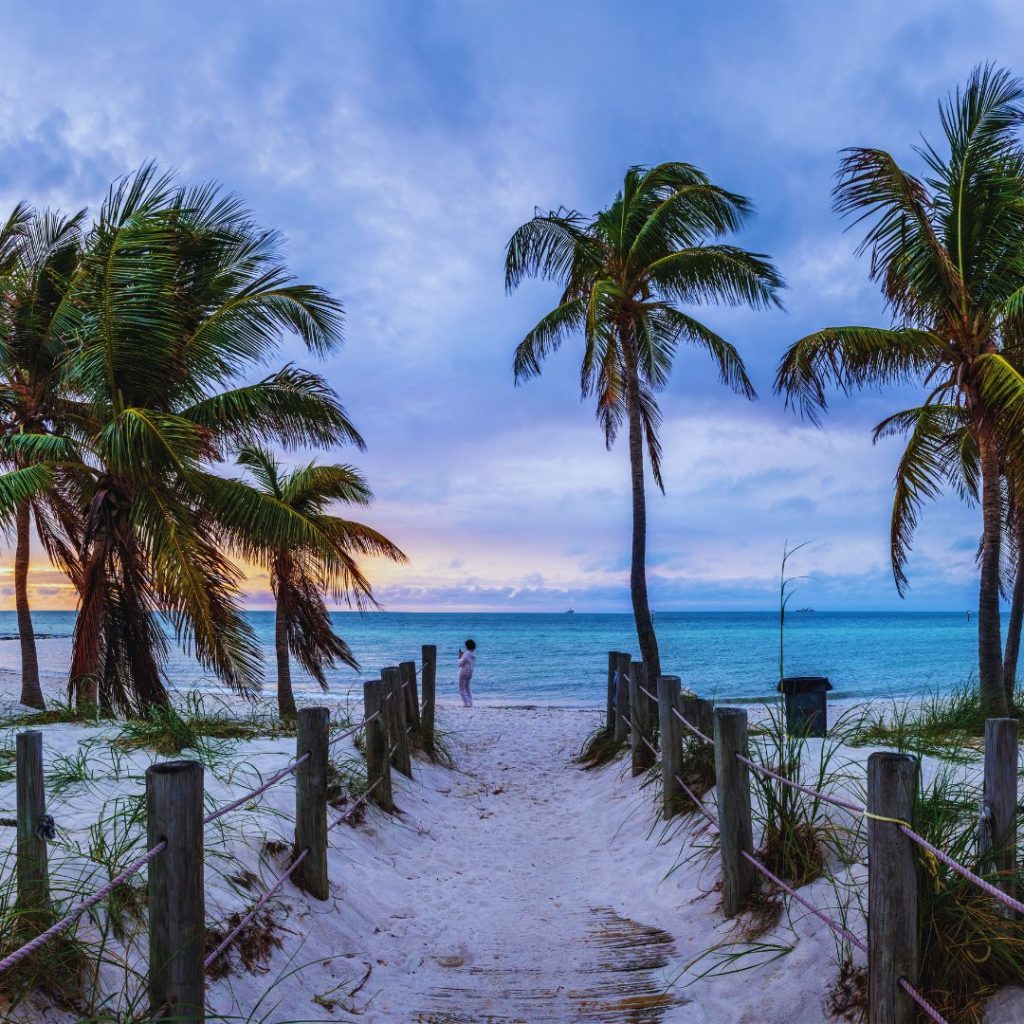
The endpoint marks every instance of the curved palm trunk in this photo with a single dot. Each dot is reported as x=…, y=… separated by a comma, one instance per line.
x=119, y=648
x=638, y=566
x=990, y=648
x=285, y=697
x=31, y=692
x=1016, y=620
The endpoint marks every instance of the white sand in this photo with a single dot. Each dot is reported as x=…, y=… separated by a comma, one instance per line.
x=497, y=896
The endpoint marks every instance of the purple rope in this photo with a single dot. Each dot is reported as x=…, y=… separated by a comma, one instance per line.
x=833, y=924
x=353, y=730
x=237, y=930
x=987, y=887
x=273, y=780
x=355, y=807
x=922, y=1002
x=846, y=805
x=74, y=914
x=697, y=800
x=692, y=728
x=653, y=748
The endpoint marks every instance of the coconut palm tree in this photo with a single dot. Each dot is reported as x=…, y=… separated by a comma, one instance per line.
x=43, y=253
x=947, y=249
x=177, y=297
x=626, y=275
x=324, y=564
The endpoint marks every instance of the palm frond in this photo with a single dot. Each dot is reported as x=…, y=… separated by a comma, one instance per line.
x=850, y=358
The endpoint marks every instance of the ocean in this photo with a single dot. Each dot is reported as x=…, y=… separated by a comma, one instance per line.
x=561, y=659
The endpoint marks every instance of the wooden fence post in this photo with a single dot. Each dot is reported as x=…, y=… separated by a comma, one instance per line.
x=642, y=758
x=378, y=765
x=999, y=800
x=311, y=801
x=33, y=829
x=428, y=660
x=671, y=745
x=613, y=667
x=177, y=911
x=407, y=670
x=622, y=698
x=397, y=732
x=735, y=829
x=698, y=712
x=892, y=889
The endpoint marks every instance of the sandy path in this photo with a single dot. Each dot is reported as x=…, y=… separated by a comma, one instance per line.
x=521, y=879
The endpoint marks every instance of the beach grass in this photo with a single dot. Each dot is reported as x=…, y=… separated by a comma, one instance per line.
x=969, y=947
x=799, y=837
x=950, y=726
x=600, y=748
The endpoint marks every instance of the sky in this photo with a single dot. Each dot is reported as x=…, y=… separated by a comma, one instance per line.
x=397, y=146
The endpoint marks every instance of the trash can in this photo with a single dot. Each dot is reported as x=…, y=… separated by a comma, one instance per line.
x=806, y=705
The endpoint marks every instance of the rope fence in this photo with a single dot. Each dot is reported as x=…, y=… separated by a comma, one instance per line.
x=806, y=904
x=698, y=803
x=79, y=909
x=259, y=791
x=260, y=903
x=923, y=1003
x=359, y=802
x=734, y=740
x=986, y=887
x=174, y=930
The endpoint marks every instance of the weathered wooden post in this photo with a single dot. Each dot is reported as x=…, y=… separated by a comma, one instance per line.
x=34, y=826
x=177, y=911
x=428, y=661
x=999, y=800
x=378, y=765
x=622, y=698
x=892, y=888
x=613, y=667
x=407, y=670
x=671, y=744
x=397, y=729
x=698, y=712
x=735, y=829
x=311, y=801
x=642, y=733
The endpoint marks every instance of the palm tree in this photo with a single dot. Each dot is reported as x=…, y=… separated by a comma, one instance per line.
x=946, y=250
x=176, y=297
x=43, y=254
x=301, y=574
x=625, y=274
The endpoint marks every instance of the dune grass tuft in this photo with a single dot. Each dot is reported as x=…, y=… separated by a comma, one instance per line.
x=697, y=767
x=946, y=725
x=969, y=948
x=57, y=712
x=599, y=748
x=798, y=835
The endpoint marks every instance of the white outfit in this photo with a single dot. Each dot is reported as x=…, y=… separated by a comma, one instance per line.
x=467, y=662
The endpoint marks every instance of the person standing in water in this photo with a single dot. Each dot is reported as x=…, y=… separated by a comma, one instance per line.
x=467, y=662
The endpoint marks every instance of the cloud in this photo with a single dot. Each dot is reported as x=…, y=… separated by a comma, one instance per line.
x=397, y=146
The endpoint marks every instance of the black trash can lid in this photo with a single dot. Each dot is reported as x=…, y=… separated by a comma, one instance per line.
x=804, y=684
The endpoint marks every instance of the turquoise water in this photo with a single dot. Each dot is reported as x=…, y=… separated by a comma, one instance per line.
x=561, y=659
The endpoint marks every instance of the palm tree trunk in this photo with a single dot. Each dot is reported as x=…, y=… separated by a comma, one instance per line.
x=1016, y=620
x=990, y=648
x=638, y=565
x=31, y=692
x=285, y=697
